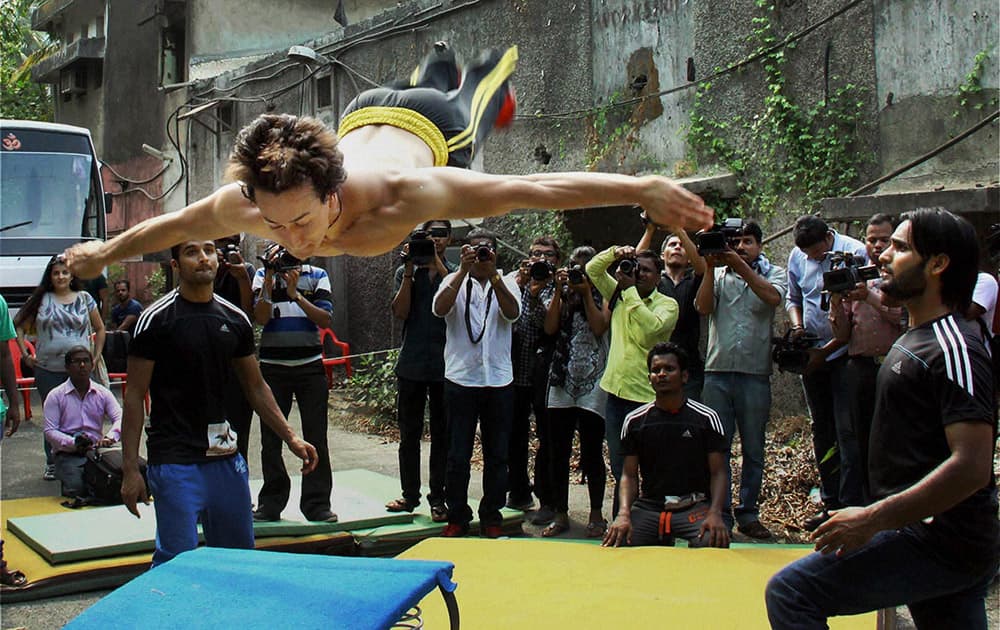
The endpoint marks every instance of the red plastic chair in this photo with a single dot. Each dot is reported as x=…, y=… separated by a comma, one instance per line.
x=24, y=383
x=329, y=362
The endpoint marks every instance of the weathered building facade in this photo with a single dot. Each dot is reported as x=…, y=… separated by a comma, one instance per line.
x=904, y=64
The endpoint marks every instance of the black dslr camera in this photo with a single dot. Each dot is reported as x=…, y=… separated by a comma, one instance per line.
x=846, y=271
x=791, y=354
x=483, y=252
x=82, y=442
x=279, y=260
x=629, y=266
x=715, y=240
x=541, y=270
x=576, y=274
x=228, y=251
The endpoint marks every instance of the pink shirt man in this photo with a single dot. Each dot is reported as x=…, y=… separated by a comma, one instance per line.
x=67, y=413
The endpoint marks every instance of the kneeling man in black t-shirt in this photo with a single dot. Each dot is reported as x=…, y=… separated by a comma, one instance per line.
x=931, y=539
x=679, y=448
x=182, y=351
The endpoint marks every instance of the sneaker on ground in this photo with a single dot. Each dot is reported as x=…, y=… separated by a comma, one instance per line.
x=755, y=529
x=260, y=516
x=454, y=530
x=50, y=472
x=325, y=516
x=491, y=531
x=813, y=522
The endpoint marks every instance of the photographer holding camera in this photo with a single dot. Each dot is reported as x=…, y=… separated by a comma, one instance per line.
x=74, y=420
x=868, y=323
x=292, y=302
x=740, y=294
x=577, y=318
x=531, y=354
x=233, y=283
x=825, y=377
x=420, y=368
x=683, y=269
x=479, y=307
x=640, y=317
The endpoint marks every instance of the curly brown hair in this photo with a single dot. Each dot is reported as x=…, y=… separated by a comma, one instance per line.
x=277, y=152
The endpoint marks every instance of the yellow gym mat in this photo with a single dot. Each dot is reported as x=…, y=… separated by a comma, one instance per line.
x=549, y=584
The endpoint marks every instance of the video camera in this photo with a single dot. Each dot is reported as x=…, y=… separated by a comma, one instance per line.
x=993, y=241
x=279, y=260
x=716, y=239
x=420, y=248
x=846, y=271
x=791, y=354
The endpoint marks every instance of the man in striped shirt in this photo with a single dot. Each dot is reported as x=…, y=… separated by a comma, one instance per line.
x=292, y=304
x=931, y=539
x=680, y=448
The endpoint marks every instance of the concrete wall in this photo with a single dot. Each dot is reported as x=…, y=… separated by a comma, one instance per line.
x=84, y=110
x=652, y=39
x=221, y=30
x=133, y=107
x=574, y=55
x=923, y=52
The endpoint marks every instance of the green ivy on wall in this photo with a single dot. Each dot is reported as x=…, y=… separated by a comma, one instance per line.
x=972, y=86
x=785, y=150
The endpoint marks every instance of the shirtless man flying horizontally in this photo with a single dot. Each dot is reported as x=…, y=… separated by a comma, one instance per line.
x=392, y=167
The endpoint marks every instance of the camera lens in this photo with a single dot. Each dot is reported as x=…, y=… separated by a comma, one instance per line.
x=483, y=253
x=540, y=270
x=627, y=267
x=575, y=275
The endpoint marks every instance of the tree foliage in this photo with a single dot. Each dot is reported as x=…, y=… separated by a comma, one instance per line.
x=20, y=49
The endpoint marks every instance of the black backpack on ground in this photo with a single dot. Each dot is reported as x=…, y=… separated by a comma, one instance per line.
x=102, y=474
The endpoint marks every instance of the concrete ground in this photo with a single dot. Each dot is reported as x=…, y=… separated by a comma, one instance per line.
x=22, y=463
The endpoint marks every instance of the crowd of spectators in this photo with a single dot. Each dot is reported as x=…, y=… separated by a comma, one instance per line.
x=572, y=349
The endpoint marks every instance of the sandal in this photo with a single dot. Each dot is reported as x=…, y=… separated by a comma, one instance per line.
x=555, y=528
x=597, y=529
x=401, y=505
x=439, y=513
x=13, y=578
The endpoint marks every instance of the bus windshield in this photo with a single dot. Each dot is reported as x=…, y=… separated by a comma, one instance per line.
x=48, y=194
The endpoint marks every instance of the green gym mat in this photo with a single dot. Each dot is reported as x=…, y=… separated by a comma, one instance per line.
x=391, y=538
x=112, y=531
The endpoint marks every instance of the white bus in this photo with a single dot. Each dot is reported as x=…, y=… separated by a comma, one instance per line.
x=51, y=197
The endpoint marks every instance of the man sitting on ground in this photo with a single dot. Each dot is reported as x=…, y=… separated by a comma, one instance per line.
x=74, y=420
x=679, y=448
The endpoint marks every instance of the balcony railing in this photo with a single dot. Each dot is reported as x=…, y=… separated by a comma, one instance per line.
x=43, y=15
x=47, y=71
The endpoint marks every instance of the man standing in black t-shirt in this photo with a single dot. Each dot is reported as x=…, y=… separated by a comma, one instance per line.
x=420, y=371
x=233, y=283
x=679, y=448
x=931, y=539
x=183, y=348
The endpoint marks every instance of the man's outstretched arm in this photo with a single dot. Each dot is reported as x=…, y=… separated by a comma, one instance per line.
x=224, y=212
x=457, y=193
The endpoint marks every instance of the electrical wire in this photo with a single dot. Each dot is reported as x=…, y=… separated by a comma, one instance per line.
x=582, y=113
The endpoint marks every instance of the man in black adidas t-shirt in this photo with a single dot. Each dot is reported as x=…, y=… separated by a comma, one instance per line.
x=182, y=351
x=931, y=539
x=679, y=448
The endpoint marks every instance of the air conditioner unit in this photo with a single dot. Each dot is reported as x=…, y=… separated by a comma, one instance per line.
x=72, y=82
